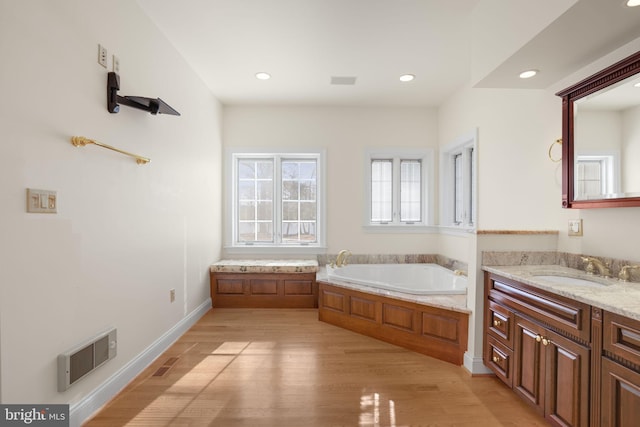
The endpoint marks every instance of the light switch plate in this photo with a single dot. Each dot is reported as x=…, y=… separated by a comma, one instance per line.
x=42, y=201
x=575, y=227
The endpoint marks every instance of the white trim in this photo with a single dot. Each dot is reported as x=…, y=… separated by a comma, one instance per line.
x=458, y=145
x=400, y=228
x=231, y=154
x=475, y=365
x=81, y=411
x=426, y=156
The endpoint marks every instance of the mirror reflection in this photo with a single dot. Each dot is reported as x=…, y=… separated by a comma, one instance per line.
x=607, y=142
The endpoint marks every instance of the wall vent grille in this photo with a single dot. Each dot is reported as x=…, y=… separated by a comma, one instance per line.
x=76, y=363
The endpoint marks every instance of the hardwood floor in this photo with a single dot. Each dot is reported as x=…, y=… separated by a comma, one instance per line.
x=282, y=367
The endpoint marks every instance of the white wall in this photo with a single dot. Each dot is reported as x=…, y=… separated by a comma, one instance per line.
x=345, y=133
x=124, y=234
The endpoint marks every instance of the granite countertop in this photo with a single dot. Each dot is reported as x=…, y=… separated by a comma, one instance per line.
x=609, y=294
x=448, y=302
x=265, y=266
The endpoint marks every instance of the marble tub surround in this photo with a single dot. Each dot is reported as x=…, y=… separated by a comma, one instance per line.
x=265, y=266
x=609, y=294
x=564, y=259
x=443, y=261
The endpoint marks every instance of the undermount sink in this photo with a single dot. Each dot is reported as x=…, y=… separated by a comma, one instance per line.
x=566, y=280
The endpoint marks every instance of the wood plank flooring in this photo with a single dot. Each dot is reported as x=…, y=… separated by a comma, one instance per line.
x=282, y=367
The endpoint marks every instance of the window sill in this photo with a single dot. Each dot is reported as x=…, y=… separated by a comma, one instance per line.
x=275, y=250
x=456, y=230
x=387, y=228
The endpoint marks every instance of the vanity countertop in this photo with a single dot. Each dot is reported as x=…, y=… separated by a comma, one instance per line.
x=265, y=266
x=610, y=294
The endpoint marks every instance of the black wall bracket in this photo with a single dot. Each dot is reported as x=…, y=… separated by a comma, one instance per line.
x=151, y=105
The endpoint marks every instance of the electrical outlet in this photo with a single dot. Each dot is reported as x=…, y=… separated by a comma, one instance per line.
x=575, y=227
x=102, y=55
x=115, y=64
x=172, y=295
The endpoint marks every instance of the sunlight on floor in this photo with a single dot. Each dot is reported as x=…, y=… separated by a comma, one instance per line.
x=370, y=407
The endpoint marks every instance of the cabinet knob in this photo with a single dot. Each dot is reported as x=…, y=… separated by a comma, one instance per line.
x=497, y=322
x=546, y=341
x=538, y=337
x=496, y=359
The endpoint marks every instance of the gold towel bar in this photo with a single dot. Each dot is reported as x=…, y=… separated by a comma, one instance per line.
x=81, y=141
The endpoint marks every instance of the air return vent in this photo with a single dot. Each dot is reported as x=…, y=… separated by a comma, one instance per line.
x=343, y=80
x=74, y=364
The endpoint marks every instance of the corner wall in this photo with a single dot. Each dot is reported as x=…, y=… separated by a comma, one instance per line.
x=124, y=234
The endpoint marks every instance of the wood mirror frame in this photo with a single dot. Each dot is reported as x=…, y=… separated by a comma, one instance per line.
x=601, y=80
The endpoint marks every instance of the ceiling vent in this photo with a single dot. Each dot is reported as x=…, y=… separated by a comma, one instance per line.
x=335, y=80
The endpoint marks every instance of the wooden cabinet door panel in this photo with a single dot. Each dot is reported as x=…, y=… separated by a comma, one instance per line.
x=529, y=363
x=567, y=381
x=620, y=395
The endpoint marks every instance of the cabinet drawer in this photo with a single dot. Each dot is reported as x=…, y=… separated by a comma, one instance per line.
x=563, y=314
x=498, y=358
x=622, y=337
x=500, y=323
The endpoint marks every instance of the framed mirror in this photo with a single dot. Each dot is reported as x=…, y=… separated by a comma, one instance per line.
x=601, y=138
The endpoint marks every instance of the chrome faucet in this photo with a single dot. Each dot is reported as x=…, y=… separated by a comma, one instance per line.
x=595, y=263
x=341, y=259
x=624, y=274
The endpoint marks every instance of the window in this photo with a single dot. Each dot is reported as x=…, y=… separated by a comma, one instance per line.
x=458, y=179
x=276, y=199
x=596, y=176
x=397, y=183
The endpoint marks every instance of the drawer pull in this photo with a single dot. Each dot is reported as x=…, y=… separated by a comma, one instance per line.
x=497, y=322
x=496, y=359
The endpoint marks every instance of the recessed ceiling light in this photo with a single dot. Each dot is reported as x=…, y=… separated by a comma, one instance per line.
x=407, y=77
x=528, y=74
x=263, y=76
x=633, y=3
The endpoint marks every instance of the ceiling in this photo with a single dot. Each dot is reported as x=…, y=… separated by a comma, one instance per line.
x=303, y=44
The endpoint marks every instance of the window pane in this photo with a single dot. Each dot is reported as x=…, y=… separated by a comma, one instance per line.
x=290, y=190
x=299, y=194
x=410, y=190
x=289, y=211
x=458, y=193
x=381, y=190
x=265, y=232
x=255, y=200
x=246, y=211
x=308, y=211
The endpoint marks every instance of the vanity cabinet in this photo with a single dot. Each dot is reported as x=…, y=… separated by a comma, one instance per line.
x=620, y=371
x=538, y=343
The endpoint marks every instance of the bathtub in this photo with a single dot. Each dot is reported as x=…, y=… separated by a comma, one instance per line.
x=414, y=279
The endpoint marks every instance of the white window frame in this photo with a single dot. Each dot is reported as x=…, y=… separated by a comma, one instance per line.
x=426, y=157
x=232, y=245
x=609, y=175
x=466, y=146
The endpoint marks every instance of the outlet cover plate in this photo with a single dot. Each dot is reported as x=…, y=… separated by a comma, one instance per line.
x=575, y=227
x=42, y=201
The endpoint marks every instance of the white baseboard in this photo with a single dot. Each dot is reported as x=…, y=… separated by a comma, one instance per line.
x=475, y=365
x=87, y=407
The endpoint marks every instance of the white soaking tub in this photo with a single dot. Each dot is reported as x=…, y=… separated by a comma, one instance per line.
x=414, y=279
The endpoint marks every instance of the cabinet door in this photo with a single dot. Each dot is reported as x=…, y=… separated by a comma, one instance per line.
x=620, y=395
x=529, y=362
x=567, y=381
